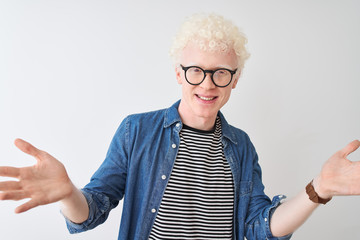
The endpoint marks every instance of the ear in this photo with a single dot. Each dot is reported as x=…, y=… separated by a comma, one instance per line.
x=236, y=79
x=178, y=74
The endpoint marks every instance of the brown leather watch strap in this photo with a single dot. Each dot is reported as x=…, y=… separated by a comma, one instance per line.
x=313, y=196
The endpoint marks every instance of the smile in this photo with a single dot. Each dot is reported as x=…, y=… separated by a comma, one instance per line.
x=206, y=98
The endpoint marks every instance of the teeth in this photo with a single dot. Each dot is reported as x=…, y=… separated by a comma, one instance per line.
x=206, y=99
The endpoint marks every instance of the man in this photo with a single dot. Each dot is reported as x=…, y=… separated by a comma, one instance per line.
x=184, y=172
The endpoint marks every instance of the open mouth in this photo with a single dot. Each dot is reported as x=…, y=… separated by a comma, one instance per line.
x=206, y=98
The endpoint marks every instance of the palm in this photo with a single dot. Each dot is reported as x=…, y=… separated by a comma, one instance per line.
x=340, y=175
x=45, y=182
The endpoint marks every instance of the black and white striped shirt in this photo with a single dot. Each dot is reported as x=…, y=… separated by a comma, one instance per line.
x=198, y=200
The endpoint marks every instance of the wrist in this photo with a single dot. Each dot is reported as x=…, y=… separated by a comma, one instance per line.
x=320, y=188
x=70, y=193
x=74, y=206
x=314, y=196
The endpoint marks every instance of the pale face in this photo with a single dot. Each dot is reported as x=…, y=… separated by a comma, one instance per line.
x=200, y=103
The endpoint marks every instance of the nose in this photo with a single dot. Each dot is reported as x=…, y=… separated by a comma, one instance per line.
x=207, y=83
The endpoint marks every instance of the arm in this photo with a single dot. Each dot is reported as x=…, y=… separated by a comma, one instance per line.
x=338, y=177
x=75, y=207
x=44, y=183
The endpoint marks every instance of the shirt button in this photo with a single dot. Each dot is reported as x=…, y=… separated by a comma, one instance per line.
x=163, y=177
x=265, y=219
x=173, y=145
x=153, y=210
x=178, y=125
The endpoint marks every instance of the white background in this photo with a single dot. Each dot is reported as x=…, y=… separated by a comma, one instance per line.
x=70, y=71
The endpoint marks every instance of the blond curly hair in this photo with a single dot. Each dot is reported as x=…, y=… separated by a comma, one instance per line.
x=211, y=32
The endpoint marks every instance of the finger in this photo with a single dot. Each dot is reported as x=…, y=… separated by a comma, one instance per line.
x=9, y=172
x=26, y=206
x=351, y=147
x=27, y=147
x=13, y=195
x=10, y=186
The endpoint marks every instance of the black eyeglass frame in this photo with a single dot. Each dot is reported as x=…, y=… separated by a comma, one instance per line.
x=232, y=72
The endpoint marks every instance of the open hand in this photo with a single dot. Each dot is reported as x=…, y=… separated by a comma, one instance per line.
x=45, y=182
x=340, y=176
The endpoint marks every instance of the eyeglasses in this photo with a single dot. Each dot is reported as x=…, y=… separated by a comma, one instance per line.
x=221, y=77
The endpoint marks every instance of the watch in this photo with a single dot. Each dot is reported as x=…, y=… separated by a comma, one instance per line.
x=313, y=196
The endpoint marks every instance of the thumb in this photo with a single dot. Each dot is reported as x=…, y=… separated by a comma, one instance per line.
x=27, y=147
x=351, y=147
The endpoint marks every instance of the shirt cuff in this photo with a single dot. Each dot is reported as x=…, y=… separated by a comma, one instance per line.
x=95, y=212
x=267, y=214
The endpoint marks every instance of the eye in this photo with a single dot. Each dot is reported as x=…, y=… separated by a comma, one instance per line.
x=195, y=70
x=222, y=72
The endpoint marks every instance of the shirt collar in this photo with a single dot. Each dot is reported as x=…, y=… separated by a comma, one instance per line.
x=227, y=130
x=172, y=116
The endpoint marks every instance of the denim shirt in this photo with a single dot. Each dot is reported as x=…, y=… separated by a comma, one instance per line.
x=138, y=166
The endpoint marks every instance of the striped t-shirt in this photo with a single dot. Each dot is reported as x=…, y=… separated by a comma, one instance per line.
x=199, y=198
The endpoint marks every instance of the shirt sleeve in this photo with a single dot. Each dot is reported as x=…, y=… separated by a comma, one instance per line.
x=260, y=227
x=261, y=208
x=107, y=185
x=99, y=209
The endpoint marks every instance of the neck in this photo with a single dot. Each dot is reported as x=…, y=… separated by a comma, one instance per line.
x=188, y=117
